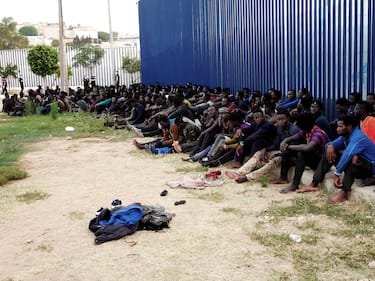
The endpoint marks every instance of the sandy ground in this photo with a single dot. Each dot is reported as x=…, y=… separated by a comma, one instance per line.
x=49, y=240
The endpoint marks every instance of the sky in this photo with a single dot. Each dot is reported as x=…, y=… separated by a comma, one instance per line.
x=94, y=13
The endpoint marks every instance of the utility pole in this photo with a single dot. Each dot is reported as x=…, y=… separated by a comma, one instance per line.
x=63, y=65
x=111, y=54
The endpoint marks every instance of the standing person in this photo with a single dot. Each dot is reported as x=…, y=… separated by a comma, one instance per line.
x=4, y=85
x=20, y=80
x=86, y=85
x=117, y=81
x=356, y=160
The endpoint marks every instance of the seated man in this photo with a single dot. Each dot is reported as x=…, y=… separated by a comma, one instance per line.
x=357, y=159
x=268, y=158
x=170, y=135
x=261, y=136
x=308, y=153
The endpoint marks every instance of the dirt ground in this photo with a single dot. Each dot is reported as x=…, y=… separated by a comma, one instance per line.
x=49, y=240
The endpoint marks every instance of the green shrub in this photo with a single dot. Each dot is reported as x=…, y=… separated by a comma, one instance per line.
x=54, y=110
x=8, y=173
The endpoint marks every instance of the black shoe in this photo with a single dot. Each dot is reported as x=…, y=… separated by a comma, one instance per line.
x=164, y=193
x=99, y=211
x=180, y=202
x=214, y=163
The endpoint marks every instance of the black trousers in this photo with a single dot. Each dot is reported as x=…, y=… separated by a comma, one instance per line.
x=362, y=169
x=310, y=159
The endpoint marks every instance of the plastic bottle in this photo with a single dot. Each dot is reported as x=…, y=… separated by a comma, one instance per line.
x=295, y=237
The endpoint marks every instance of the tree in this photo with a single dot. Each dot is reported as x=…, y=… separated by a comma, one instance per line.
x=55, y=43
x=9, y=37
x=104, y=36
x=131, y=65
x=8, y=70
x=88, y=56
x=43, y=60
x=28, y=30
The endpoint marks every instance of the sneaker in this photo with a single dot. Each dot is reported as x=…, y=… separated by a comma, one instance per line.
x=180, y=202
x=164, y=192
x=116, y=203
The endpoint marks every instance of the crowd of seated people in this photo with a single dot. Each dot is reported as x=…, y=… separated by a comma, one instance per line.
x=258, y=132
x=253, y=131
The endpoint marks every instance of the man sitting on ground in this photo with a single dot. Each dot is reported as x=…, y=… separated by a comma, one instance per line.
x=308, y=153
x=357, y=159
x=268, y=158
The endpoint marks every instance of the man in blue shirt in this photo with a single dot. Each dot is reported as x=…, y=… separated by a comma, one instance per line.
x=357, y=159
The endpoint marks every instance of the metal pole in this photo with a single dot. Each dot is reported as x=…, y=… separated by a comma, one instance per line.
x=111, y=54
x=63, y=65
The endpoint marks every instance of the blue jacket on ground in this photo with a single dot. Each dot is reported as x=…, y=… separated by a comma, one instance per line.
x=357, y=144
x=127, y=216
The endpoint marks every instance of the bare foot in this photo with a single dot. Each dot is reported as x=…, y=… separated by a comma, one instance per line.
x=308, y=188
x=339, y=197
x=233, y=175
x=138, y=145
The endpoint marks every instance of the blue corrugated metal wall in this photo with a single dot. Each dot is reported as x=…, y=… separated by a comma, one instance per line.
x=324, y=45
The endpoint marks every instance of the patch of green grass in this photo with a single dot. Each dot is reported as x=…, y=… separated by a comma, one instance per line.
x=76, y=215
x=8, y=173
x=45, y=248
x=278, y=242
x=345, y=246
x=17, y=132
x=309, y=225
x=234, y=211
x=214, y=197
x=264, y=181
x=191, y=169
x=32, y=196
x=280, y=276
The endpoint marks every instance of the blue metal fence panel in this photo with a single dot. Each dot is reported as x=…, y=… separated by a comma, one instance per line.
x=326, y=46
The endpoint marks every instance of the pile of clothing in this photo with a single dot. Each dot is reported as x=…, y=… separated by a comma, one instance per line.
x=119, y=221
